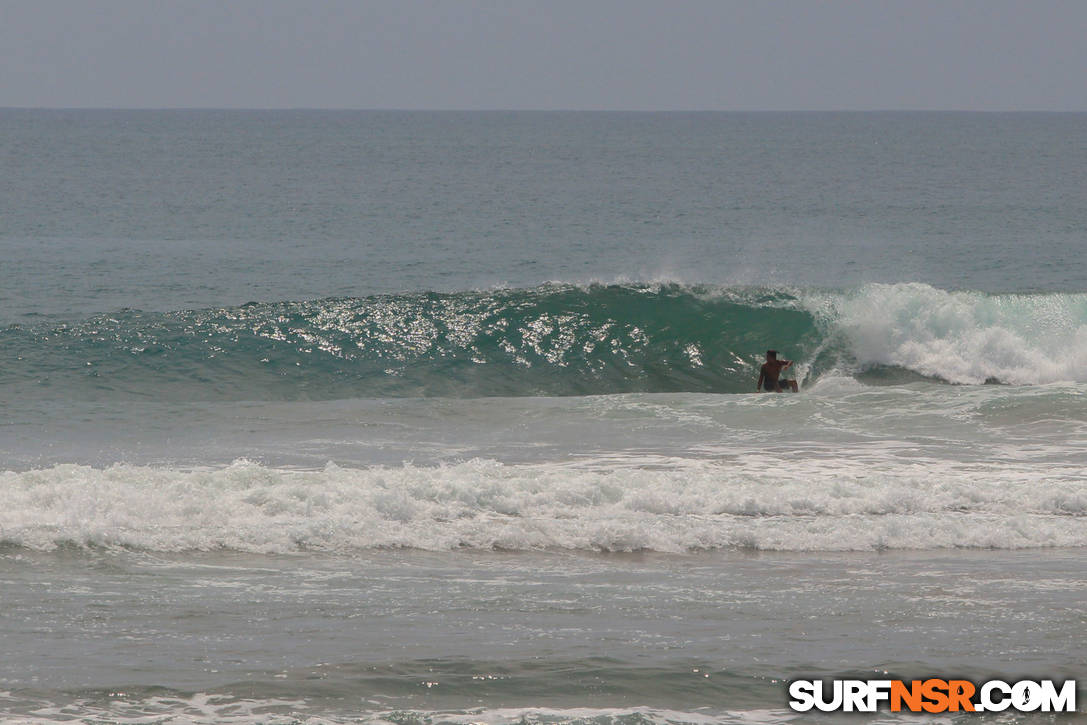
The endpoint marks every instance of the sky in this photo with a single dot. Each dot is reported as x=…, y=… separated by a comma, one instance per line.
x=986, y=55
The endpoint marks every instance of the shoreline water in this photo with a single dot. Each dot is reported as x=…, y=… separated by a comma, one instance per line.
x=329, y=637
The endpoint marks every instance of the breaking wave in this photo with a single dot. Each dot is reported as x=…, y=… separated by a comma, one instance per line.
x=554, y=339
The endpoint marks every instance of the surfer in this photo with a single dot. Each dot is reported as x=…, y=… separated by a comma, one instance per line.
x=769, y=376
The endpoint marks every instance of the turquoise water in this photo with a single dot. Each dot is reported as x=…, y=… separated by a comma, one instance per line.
x=554, y=340
x=429, y=417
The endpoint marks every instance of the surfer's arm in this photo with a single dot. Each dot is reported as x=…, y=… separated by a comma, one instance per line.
x=758, y=385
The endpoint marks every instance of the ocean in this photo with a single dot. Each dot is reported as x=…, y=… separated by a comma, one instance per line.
x=449, y=417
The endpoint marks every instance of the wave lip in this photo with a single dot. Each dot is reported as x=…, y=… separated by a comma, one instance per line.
x=681, y=506
x=552, y=340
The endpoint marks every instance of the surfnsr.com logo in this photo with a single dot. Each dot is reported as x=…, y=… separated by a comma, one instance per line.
x=932, y=695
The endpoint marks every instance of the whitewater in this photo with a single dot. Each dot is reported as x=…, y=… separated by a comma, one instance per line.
x=556, y=339
x=896, y=443
x=432, y=418
x=665, y=506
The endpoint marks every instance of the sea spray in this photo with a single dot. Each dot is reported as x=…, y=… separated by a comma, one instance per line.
x=552, y=340
x=961, y=337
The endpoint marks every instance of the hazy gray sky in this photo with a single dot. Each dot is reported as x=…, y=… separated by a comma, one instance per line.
x=562, y=54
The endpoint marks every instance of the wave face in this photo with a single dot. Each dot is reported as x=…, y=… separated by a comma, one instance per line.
x=750, y=502
x=551, y=340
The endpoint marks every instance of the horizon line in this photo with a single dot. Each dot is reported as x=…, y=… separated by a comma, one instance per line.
x=347, y=109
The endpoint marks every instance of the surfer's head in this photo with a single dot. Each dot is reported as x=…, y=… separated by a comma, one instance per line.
x=771, y=354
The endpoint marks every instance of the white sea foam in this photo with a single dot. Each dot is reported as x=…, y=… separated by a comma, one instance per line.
x=751, y=501
x=605, y=716
x=962, y=337
x=201, y=708
x=192, y=709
